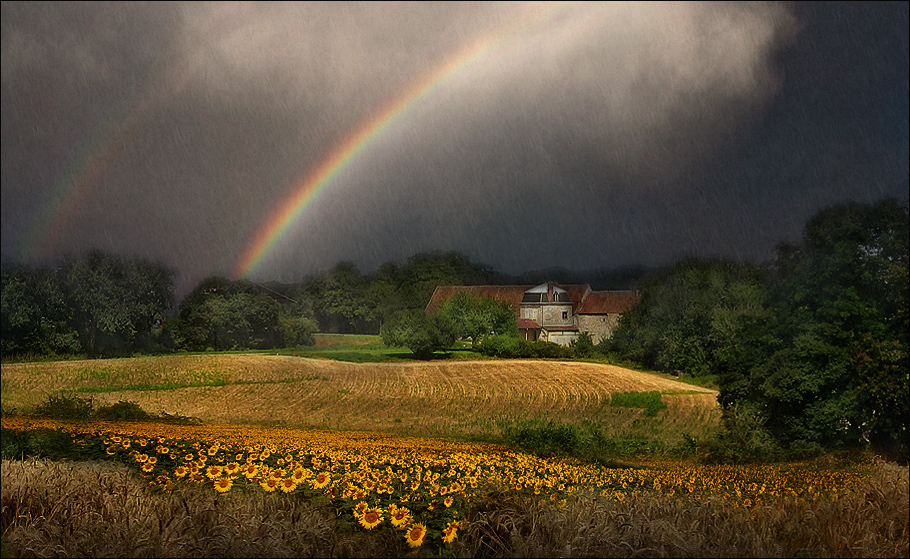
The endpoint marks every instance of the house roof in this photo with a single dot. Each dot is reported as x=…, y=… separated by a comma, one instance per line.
x=528, y=324
x=583, y=299
x=511, y=294
x=608, y=302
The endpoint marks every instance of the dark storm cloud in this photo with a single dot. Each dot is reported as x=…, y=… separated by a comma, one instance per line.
x=587, y=135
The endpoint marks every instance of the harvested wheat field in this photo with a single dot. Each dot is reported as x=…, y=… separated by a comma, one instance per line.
x=424, y=398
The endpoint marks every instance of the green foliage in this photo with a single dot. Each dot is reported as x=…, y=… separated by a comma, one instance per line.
x=699, y=317
x=583, y=345
x=810, y=354
x=223, y=315
x=99, y=304
x=297, y=330
x=650, y=401
x=544, y=437
x=65, y=407
x=114, y=302
x=46, y=443
x=506, y=347
x=743, y=439
x=475, y=317
x=839, y=379
x=122, y=411
x=422, y=334
x=34, y=314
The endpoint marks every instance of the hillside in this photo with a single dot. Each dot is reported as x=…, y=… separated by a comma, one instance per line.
x=443, y=398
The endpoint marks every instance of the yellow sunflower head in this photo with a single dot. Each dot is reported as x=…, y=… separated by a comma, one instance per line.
x=223, y=484
x=449, y=534
x=415, y=535
x=288, y=484
x=371, y=518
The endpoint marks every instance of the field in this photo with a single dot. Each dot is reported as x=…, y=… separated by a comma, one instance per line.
x=449, y=398
x=305, y=456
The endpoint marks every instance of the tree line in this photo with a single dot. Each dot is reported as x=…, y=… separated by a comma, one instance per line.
x=104, y=305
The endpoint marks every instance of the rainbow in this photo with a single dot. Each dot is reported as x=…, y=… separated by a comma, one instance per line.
x=96, y=155
x=307, y=190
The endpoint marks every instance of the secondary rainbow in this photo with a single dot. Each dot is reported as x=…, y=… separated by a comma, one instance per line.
x=303, y=196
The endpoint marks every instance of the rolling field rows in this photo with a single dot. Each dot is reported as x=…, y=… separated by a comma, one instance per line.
x=424, y=398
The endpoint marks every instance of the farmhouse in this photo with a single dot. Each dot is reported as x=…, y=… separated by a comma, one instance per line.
x=552, y=312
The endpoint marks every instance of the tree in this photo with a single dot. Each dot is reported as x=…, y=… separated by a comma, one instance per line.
x=475, y=317
x=421, y=333
x=839, y=378
x=342, y=300
x=222, y=314
x=35, y=316
x=703, y=318
x=113, y=300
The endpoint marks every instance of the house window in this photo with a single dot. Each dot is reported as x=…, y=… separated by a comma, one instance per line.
x=565, y=315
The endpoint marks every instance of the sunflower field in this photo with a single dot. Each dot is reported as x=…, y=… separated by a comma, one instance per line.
x=417, y=488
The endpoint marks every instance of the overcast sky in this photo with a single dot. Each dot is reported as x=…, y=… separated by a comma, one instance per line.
x=525, y=135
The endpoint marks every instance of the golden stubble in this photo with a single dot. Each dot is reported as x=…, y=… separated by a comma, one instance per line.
x=424, y=398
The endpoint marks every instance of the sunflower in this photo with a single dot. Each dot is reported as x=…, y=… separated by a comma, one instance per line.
x=321, y=480
x=361, y=507
x=415, y=535
x=213, y=471
x=181, y=471
x=371, y=518
x=449, y=534
x=288, y=484
x=448, y=501
x=148, y=467
x=232, y=468
x=223, y=484
x=269, y=484
x=250, y=471
x=401, y=518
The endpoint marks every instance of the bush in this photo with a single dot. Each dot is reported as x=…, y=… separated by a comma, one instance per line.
x=742, y=439
x=122, y=411
x=65, y=407
x=511, y=347
x=422, y=334
x=544, y=437
x=583, y=345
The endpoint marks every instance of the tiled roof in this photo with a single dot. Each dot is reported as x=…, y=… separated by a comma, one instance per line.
x=511, y=294
x=583, y=299
x=608, y=302
x=527, y=324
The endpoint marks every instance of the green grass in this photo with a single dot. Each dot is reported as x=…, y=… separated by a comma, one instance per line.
x=364, y=348
x=650, y=401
